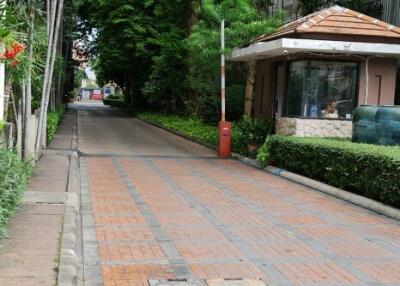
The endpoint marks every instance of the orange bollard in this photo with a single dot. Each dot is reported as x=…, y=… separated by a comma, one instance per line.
x=224, y=140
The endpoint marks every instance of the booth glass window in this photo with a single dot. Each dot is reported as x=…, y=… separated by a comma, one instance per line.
x=321, y=89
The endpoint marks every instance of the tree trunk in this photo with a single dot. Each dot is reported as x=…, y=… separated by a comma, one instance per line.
x=28, y=94
x=248, y=97
x=55, y=18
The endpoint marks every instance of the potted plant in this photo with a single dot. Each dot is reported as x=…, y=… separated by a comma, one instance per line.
x=71, y=97
x=253, y=132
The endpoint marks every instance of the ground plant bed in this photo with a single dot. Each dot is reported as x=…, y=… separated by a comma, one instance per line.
x=199, y=131
x=14, y=175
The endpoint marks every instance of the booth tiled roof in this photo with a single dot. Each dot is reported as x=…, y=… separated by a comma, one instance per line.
x=336, y=20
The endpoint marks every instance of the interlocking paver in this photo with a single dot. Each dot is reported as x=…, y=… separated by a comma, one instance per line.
x=171, y=217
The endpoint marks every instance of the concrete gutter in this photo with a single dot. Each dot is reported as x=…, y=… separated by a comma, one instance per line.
x=70, y=254
x=355, y=199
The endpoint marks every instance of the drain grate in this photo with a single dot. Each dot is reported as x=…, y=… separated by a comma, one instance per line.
x=210, y=282
x=176, y=282
x=235, y=282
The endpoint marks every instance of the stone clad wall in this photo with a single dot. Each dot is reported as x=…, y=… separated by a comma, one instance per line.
x=314, y=127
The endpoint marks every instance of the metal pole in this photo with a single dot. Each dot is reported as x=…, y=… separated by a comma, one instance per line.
x=223, y=70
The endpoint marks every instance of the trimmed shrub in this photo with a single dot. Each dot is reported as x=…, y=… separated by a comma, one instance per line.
x=368, y=170
x=14, y=175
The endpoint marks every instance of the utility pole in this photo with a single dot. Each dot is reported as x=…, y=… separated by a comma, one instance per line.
x=224, y=142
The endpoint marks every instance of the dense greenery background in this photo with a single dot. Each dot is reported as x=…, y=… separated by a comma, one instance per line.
x=165, y=54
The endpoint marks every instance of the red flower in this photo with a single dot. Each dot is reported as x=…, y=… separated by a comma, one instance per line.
x=10, y=54
x=17, y=47
x=14, y=63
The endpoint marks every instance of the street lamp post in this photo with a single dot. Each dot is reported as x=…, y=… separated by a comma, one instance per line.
x=224, y=138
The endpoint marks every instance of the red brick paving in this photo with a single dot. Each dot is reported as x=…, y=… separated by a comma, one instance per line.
x=303, y=237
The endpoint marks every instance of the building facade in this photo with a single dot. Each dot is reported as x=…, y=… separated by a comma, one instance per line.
x=313, y=72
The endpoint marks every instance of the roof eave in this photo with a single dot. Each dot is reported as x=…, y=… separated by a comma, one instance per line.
x=286, y=46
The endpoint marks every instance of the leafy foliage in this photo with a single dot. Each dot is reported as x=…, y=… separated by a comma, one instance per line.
x=166, y=56
x=254, y=130
x=370, y=8
x=14, y=175
x=372, y=171
x=243, y=23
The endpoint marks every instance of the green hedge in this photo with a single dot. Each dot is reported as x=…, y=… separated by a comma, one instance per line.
x=114, y=102
x=369, y=170
x=53, y=121
x=14, y=175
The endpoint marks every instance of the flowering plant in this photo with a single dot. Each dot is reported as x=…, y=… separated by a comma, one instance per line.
x=10, y=48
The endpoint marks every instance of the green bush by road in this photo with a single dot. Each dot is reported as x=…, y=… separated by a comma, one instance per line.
x=14, y=175
x=114, y=101
x=368, y=170
x=53, y=121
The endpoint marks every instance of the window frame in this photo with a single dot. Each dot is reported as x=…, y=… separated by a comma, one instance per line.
x=287, y=71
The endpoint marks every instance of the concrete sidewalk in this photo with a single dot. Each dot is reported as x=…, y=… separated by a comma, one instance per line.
x=30, y=253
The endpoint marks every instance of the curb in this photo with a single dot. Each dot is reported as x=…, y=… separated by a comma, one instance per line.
x=355, y=199
x=69, y=265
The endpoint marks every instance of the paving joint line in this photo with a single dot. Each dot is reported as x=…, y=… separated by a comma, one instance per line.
x=91, y=259
x=177, y=262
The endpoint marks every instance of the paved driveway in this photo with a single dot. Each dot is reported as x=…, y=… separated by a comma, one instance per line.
x=157, y=206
